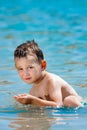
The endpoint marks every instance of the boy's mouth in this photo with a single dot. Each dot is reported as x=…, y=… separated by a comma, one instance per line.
x=28, y=78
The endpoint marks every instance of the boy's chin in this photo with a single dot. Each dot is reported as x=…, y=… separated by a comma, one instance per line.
x=28, y=82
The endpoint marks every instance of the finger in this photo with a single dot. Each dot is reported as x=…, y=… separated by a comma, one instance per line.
x=24, y=94
x=15, y=96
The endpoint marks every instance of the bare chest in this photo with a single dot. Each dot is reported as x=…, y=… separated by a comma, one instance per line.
x=40, y=92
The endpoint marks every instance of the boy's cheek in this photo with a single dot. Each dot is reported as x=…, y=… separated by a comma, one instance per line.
x=20, y=74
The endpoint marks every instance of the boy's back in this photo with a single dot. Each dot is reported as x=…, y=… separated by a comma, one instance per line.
x=53, y=88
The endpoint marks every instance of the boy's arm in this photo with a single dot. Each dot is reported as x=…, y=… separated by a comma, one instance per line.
x=29, y=99
x=55, y=93
x=40, y=102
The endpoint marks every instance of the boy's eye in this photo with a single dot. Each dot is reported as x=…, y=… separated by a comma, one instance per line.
x=20, y=69
x=30, y=67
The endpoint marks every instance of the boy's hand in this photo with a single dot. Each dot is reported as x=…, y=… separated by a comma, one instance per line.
x=24, y=98
x=29, y=99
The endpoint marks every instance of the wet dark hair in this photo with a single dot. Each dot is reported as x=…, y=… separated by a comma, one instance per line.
x=29, y=48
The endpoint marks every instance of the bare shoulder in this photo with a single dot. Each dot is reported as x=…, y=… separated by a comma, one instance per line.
x=54, y=80
x=58, y=82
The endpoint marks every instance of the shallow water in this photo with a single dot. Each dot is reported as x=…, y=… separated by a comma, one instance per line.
x=28, y=118
x=60, y=28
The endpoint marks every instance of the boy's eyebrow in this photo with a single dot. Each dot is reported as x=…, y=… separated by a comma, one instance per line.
x=17, y=66
x=21, y=67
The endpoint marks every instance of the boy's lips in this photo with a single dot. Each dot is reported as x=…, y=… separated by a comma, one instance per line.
x=28, y=78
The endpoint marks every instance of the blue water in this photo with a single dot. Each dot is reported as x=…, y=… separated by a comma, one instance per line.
x=60, y=28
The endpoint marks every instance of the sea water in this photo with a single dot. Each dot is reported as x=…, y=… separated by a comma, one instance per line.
x=60, y=29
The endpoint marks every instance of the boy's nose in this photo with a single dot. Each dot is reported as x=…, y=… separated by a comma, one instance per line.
x=26, y=72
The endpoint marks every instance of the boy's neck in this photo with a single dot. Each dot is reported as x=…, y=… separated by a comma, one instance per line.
x=40, y=79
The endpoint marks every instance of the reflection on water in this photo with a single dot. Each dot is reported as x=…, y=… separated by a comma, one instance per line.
x=30, y=117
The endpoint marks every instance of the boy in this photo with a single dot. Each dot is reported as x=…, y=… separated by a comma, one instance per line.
x=48, y=89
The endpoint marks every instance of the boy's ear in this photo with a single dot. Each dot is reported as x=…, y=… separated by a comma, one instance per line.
x=43, y=64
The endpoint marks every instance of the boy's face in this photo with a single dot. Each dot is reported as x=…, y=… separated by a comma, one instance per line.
x=29, y=70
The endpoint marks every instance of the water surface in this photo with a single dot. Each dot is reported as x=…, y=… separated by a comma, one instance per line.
x=60, y=28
